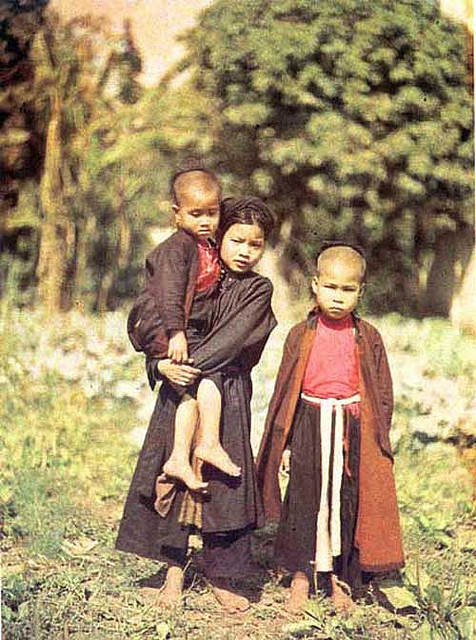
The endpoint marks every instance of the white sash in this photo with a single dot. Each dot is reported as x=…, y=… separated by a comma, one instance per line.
x=328, y=533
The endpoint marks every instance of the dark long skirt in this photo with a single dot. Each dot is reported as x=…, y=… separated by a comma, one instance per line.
x=296, y=540
x=233, y=504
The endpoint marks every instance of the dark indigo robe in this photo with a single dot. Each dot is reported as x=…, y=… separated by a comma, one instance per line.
x=243, y=320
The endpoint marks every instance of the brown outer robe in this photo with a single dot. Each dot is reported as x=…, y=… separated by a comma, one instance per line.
x=377, y=534
x=164, y=305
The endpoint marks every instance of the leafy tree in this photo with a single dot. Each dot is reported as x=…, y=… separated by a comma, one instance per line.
x=20, y=140
x=82, y=83
x=354, y=118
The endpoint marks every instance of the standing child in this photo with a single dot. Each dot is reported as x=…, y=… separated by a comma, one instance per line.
x=182, y=274
x=332, y=406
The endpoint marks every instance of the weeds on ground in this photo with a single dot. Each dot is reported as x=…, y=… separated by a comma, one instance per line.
x=69, y=389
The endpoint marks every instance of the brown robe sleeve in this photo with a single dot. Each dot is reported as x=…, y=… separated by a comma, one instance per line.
x=378, y=382
x=384, y=381
x=168, y=272
x=164, y=304
x=280, y=416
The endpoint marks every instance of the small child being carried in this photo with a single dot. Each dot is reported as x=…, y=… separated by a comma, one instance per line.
x=182, y=275
x=332, y=406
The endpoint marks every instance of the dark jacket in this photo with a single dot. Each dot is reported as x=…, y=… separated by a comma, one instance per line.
x=378, y=534
x=163, y=307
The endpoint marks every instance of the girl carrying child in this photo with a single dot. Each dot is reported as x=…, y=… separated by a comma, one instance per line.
x=240, y=324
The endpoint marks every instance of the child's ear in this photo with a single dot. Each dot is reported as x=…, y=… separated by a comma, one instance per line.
x=176, y=213
x=362, y=289
x=314, y=285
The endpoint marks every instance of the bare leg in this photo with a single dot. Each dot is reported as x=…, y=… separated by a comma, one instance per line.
x=299, y=593
x=229, y=600
x=209, y=448
x=178, y=465
x=341, y=595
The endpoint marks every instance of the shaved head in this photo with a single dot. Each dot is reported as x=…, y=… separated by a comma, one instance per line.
x=343, y=256
x=187, y=185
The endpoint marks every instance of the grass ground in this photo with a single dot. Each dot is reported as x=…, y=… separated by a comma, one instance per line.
x=73, y=402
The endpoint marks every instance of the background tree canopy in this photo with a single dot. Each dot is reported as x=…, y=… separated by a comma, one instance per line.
x=353, y=120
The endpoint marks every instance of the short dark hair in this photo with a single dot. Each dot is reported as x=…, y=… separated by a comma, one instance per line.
x=245, y=210
x=180, y=172
x=328, y=244
x=332, y=244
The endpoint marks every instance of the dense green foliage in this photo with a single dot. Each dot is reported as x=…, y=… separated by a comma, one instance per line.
x=354, y=118
x=73, y=404
x=75, y=162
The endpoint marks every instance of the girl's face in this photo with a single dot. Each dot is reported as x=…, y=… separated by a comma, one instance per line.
x=242, y=247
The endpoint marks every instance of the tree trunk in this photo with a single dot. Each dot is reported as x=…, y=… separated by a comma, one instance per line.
x=441, y=277
x=463, y=306
x=451, y=274
x=84, y=231
x=52, y=260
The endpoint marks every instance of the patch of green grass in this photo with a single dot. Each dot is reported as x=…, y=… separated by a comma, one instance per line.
x=67, y=463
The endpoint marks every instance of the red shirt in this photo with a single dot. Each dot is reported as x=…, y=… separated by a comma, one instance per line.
x=208, y=266
x=332, y=370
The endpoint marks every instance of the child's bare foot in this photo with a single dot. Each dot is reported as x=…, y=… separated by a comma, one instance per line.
x=230, y=601
x=341, y=596
x=170, y=595
x=299, y=593
x=177, y=468
x=217, y=457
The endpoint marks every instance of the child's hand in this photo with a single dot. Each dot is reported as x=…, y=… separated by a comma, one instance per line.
x=181, y=374
x=178, y=348
x=284, y=466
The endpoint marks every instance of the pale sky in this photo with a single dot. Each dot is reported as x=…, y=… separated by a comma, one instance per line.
x=155, y=25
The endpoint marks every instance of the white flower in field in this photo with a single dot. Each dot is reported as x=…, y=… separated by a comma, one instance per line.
x=91, y=388
x=106, y=375
x=71, y=365
x=94, y=346
x=126, y=389
x=137, y=435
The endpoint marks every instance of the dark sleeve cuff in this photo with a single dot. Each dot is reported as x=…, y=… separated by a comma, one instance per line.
x=170, y=329
x=153, y=373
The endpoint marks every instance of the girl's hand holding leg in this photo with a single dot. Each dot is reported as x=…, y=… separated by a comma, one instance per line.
x=181, y=374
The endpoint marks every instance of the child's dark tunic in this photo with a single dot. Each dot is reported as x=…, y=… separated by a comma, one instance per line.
x=181, y=274
x=242, y=323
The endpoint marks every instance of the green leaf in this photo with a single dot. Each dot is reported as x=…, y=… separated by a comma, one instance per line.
x=399, y=597
x=162, y=630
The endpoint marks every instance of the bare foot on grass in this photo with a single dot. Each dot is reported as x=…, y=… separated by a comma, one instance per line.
x=299, y=593
x=170, y=595
x=217, y=457
x=341, y=596
x=228, y=599
x=181, y=470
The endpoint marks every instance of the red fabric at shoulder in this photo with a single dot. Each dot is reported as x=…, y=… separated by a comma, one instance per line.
x=332, y=370
x=208, y=266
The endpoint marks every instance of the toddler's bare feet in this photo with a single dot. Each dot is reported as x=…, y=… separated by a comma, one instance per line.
x=230, y=601
x=217, y=457
x=177, y=468
x=341, y=596
x=299, y=593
